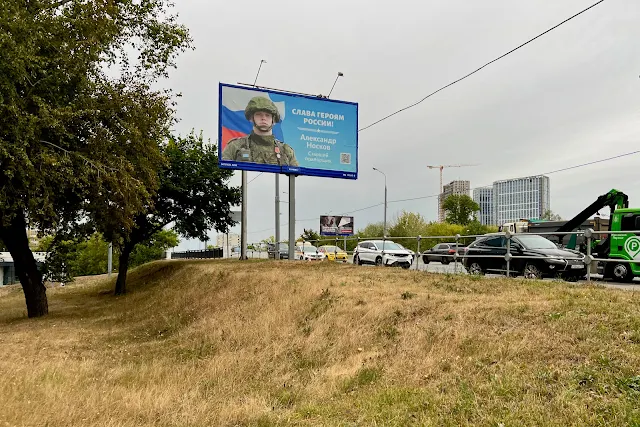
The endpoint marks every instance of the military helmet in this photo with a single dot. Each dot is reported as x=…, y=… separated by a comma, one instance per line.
x=260, y=103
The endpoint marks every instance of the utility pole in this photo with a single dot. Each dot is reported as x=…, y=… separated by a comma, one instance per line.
x=384, y=227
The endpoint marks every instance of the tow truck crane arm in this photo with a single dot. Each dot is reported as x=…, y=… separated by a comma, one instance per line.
x=614, y=199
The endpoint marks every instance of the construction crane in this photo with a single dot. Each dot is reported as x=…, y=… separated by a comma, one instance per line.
x=441, y=167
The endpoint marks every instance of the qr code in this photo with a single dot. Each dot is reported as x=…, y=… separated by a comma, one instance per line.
x=345, y=158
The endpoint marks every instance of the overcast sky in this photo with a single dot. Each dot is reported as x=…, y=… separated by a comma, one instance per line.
x=570, y=97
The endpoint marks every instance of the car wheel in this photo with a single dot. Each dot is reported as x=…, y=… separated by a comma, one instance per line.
x=406, y=266
x=445, y=261
x=475, y=268
x=356, y=260
x=379, y=261
x=302, y=258
x=425, y=259
x=531, y=271
x=622, y=273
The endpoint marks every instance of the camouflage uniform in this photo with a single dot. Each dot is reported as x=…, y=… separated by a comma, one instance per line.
x=263, y=149
x=259, y=149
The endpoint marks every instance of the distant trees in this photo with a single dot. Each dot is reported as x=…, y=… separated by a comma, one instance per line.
x=86, y=257
x=309, y=235
x=549, y=215
x=411, y=225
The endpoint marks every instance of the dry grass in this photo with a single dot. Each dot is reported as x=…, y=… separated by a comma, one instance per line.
x=224, y=343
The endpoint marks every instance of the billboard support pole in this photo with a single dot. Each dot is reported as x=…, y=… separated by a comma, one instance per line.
x=277, y=235
x=292, y=217
x=243, y=232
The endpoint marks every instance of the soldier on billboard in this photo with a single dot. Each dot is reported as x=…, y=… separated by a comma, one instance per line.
x=260, y=146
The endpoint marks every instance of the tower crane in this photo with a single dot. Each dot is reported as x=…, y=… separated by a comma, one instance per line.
x=440, y=201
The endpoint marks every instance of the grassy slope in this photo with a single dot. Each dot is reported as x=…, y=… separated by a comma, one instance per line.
x=264, y=343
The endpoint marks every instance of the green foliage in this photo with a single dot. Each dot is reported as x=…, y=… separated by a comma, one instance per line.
x=460, y=209
x=154, y=248
x=549, y=215
x=409, y=224
x=86, y=257
x=309, y=236
x=78, y=145
x=73, y=139
x=194, y=196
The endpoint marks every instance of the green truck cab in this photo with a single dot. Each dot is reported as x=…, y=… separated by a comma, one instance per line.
x=621, y=246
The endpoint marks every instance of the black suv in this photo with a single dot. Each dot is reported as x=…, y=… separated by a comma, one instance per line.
x=442, y=252
x=544, y=258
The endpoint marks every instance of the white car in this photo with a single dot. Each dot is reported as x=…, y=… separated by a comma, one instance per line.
x=309, y=253
x=381, y=253
x=413, y=254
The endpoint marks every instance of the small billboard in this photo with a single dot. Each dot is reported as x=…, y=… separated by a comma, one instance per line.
x=336, y=225
x=270, y=131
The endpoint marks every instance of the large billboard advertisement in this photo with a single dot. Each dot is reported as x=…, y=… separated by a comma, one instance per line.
x=336, y=225
x=270, y=131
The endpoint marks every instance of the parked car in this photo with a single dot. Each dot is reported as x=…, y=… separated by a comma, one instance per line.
x=333, y=253
x=546, y=259
x=284, y=250
x=381, y=253
x=309, y=253
x=442, y=252
x=413, y=254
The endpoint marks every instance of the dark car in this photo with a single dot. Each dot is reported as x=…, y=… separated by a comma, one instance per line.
x=544, y=258
x=442, y=252
x=284, y=251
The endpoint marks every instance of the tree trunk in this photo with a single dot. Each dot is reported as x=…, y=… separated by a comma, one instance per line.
x=123, y=260
x=15, y=238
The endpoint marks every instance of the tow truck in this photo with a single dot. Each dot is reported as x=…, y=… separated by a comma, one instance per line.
x=616, y=247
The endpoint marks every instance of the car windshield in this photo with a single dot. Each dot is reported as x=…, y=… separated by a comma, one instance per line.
x=332, y=249
x=310, y=249
x=389, y=246
x=536, y=242
x=284, y=246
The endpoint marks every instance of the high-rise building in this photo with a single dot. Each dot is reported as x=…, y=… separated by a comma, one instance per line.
x=484, y=198
x=520, y=198
x=450, y=189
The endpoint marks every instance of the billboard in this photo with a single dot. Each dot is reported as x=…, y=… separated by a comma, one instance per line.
x=336, y=225
x=269, y=131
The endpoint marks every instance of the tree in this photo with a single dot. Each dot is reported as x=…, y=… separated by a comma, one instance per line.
x=75, y=141
x=549, y=215
x=460, y=209
x=309, y=236
x=269, y=241
x=194, y=196
x=154, y=248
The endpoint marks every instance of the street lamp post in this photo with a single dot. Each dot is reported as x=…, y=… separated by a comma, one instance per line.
x=384, y=227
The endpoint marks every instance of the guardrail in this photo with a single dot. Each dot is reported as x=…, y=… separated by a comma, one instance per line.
x=459, y=241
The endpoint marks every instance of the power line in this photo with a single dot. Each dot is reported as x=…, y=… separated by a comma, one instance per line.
x=481, y=186
x=485, y=65
x=256, y=177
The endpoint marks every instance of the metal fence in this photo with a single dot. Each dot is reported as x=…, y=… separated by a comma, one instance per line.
x=198, y=254
x=422, y=243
